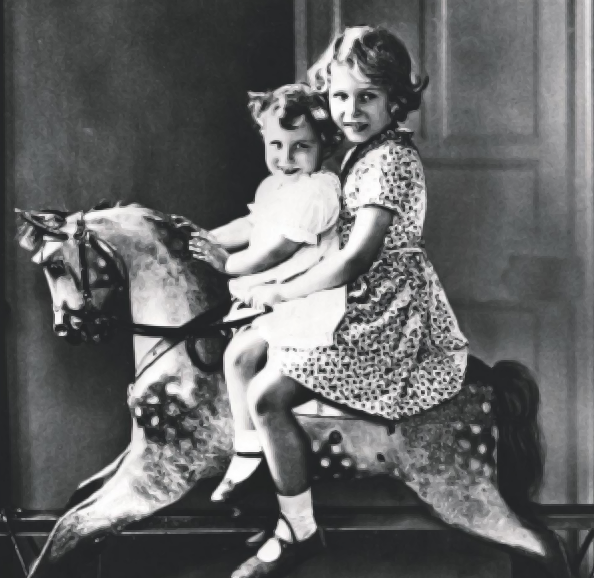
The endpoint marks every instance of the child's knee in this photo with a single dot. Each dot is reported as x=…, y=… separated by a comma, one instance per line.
x=264, y=398
x=233, y=357
x=243, y=349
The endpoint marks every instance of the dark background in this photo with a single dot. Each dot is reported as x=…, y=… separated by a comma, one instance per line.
x=143, y=101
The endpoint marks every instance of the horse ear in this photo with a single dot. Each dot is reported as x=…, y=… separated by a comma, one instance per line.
x=35, y=226
x=28, y=236
x=103, y=204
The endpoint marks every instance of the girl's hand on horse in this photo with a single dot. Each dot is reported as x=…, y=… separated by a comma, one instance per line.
x=203, y=250
x=205, y=235
x=264, y=296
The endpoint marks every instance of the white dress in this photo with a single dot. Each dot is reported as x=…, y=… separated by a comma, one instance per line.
x=303, y=209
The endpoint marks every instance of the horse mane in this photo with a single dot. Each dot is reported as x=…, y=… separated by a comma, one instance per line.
x=33, y=238
x=170, y=221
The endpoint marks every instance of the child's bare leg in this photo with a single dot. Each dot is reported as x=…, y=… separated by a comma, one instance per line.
x=243, y=355
x=242, y=359
x=271, y=398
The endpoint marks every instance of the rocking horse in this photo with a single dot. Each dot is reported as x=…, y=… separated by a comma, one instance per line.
x=474, y=461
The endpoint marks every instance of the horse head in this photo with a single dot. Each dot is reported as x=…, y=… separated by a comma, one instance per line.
x=82, y=271
x=89, y=257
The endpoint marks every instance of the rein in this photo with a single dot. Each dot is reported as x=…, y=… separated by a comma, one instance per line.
x=204, y=325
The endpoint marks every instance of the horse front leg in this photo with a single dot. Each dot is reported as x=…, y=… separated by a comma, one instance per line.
x=179, y=436
x=93, y=484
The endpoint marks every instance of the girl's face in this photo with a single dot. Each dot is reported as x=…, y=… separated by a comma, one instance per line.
x=358, y=107
x=290, y=152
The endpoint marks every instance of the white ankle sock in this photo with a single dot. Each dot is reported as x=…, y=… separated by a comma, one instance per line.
x=247, y=440
x=241, y=468
x=299, y=512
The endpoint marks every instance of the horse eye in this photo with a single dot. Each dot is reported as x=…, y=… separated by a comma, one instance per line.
x=56, y=268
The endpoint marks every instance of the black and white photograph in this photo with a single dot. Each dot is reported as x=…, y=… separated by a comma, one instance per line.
x=298, y=288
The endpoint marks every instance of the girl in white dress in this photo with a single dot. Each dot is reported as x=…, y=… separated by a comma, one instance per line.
x=290, y=228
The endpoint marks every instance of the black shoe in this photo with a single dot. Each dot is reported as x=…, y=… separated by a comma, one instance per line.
x=292, y=554
x=230, y=490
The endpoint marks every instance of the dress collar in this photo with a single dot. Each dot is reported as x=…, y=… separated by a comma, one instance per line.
x=391, y=133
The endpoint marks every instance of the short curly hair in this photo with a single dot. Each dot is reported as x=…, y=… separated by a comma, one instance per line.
x=292, y=102
x=381, y=57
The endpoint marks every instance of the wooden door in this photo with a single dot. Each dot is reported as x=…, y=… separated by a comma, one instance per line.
x=506, y=228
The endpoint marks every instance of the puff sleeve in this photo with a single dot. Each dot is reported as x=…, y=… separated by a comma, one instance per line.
x=310, y=207
x=265, y=193
x=390, y=176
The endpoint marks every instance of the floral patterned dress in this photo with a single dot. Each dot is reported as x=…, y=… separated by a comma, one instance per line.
x=398, y=350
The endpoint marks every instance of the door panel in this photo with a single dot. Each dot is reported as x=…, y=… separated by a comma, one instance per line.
x=493, y=134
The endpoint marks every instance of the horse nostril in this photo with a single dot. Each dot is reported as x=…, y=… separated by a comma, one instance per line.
x=61, y=330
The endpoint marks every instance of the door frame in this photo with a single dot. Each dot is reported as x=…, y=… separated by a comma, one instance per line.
x=582, y=142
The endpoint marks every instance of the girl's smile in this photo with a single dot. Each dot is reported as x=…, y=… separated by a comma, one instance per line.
x=358, y=107
x=290, y=152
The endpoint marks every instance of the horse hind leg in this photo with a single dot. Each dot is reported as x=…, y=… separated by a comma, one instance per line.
x=477, y=508
x=450, y=465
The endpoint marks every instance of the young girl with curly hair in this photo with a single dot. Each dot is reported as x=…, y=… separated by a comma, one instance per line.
x=398, y=349
x=291, y=227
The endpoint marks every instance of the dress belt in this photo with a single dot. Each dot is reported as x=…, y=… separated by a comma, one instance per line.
x=409, y=250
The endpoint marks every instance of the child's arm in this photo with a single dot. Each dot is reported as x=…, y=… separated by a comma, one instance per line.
x=246, y=283
x=254, y=260
x=310, y=208
x=340, y=268
x=235, y=234
x=285, y=270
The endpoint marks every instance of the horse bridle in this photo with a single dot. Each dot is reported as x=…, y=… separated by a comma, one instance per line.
x=204, y=325
x=84, y=240
x=95, y=324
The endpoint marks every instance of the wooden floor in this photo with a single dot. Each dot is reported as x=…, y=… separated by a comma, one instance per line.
x=356, y=555
x=392, y=536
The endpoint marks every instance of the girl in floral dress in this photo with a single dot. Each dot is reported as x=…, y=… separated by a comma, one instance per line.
x=398, y=350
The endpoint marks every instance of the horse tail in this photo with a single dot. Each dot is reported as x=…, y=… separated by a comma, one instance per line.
x=520, y=449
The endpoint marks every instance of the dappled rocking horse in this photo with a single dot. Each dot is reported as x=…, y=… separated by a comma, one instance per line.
x=474, y=460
